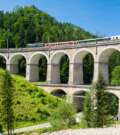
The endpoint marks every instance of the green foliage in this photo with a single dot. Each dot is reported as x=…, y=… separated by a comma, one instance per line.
x=116, y=76
x=87, y=110
x=1, y=128
x=2, y=63
x=7, y=97
x=31, y=96
x=114, y=61
x=100, y=107
x=64, y=69
x=42, y=69
x=88, y=68
x=99, y=85
x=111, y=99
x=63, y=117
x=22, y=66
x=30, y=25
x=32, y=103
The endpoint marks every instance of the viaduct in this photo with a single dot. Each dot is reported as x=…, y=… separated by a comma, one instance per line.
x=76, y=51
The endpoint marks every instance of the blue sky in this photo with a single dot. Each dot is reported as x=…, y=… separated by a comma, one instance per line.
x=98, y=16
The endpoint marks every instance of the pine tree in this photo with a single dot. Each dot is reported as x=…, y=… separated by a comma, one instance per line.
x=7, y=94
x=96, y=107
x=87, y=109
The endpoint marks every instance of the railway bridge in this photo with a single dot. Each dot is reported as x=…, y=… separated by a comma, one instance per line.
x=99, y=49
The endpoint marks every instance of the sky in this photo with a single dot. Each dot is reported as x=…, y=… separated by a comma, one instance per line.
x=101, y=17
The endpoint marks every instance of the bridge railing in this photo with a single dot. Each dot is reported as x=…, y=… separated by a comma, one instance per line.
x=77, y=86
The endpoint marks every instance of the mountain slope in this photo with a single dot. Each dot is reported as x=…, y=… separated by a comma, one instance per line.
x=31, y=104
x=29, y=25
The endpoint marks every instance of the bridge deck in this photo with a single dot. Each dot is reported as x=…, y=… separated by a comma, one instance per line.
x=75, y=86
x=59, y=46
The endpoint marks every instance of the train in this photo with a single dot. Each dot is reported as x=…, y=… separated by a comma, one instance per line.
x=73, y=43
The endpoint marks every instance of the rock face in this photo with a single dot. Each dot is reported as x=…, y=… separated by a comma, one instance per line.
x=97, y=131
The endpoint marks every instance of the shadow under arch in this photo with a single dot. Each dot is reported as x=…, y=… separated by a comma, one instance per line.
x=83, y=67
x=78, y=100
x=18, y=64
x=59, y=93
x=113, y=62
x=104, y=59
x=113, y=103
x=88, y=69
x=3, y=62
x=38, y=67
x=64, y=69
x=60, y=67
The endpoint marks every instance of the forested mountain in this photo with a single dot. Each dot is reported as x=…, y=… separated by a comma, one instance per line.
x=29, y=25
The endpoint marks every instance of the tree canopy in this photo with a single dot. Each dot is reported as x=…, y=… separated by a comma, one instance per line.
x=29, y=25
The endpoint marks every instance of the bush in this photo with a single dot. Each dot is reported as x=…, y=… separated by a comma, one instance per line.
x=116, y=76
x=63, y=117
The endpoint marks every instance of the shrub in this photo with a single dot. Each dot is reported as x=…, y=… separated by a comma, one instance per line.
x=116, y=76
x=63, y=117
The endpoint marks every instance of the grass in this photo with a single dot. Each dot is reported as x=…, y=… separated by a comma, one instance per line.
x=32, y=105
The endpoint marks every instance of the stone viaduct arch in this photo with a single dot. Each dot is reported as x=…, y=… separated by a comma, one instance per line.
x=76, y=94
x=100, y=54
x=117, y=94
x=58, y=92
x=100, y=51
x=4, y=56
x=14, y=61
x=78, y=65
x=55, y=65
x=78, y=99
x=103, y=59
x=34, y=65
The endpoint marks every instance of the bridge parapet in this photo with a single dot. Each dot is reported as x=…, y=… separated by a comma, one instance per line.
x=64, y=45
x=71, y=89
